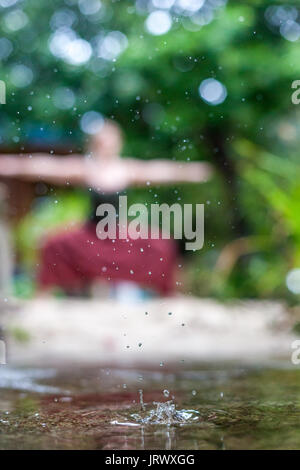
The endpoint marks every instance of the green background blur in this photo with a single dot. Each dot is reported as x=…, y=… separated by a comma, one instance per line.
x=149, y=81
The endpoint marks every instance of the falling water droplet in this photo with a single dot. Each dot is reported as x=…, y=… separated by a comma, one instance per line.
x=142, y=400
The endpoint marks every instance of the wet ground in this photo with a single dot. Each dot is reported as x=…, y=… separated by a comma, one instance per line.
x=220, y=407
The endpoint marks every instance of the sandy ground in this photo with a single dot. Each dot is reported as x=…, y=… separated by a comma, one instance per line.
x=51, y=331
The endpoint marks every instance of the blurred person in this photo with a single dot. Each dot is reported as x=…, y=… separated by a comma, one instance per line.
x=74, y=259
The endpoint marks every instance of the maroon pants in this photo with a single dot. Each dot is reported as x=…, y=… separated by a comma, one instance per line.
x=73, y=259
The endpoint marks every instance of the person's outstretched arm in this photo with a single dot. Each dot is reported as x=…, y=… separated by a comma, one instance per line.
x=42, y=167
x=167, y=172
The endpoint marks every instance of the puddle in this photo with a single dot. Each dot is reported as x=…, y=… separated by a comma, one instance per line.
x=204, y=407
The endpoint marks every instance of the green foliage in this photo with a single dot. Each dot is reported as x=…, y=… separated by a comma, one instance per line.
x=152, y=90
x=63, y=211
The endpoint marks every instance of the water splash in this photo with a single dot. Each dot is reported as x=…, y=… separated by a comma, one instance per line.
x=142, y=400
x=166, y=413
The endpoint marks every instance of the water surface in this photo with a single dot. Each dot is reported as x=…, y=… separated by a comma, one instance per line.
x=219, y=407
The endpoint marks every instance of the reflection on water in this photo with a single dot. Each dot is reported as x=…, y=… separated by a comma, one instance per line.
x=27, y=379
x=202, y=408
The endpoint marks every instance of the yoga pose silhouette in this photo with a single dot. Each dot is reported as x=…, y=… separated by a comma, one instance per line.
x=72, y=260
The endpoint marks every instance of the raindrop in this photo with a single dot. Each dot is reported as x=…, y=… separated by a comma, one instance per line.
x=142, y=400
